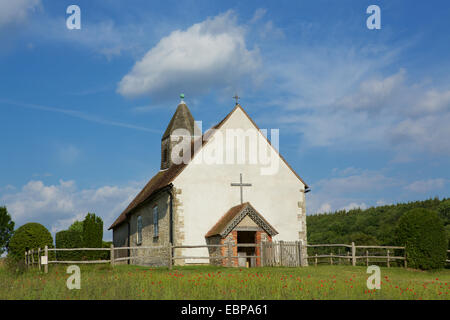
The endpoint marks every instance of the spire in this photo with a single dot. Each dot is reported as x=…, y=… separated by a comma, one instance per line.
x=182, y=118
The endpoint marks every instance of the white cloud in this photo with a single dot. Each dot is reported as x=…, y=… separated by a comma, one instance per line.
x=426, y=186
x=210, y=54
x=374, y=94
x=385, y=112
x=258, y=15
x=354, y=205
x=348, y=189
x=57, y=206
x=16, y=11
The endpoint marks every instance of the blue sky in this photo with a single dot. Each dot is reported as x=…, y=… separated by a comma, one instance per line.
x=363, y=114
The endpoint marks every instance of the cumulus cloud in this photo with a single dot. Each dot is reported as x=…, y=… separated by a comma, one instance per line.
x=57, y=206
x=16, y=11
x=209, y=54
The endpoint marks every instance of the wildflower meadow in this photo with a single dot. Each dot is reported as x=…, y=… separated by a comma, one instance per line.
x=207, y=282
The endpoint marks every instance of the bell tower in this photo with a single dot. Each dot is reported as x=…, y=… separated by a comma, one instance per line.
x=182, y=119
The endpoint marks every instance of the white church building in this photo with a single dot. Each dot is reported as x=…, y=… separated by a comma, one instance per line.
x=221, y=191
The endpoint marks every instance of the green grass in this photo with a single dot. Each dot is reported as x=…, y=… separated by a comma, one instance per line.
x=205, y=282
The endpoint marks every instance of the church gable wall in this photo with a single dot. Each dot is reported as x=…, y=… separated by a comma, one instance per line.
x=207, y=194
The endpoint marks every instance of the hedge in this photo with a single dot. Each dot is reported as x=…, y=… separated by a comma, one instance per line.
x=423, y=234
x=69, y=239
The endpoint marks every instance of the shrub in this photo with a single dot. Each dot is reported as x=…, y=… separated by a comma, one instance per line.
x=69, y=239
x=423, y=234
x=92, y=234
x=29, y=236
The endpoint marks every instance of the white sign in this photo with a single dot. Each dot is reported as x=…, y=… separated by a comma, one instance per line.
x=44, y=260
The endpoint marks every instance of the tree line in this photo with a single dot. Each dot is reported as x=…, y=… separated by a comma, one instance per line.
x=372, y=226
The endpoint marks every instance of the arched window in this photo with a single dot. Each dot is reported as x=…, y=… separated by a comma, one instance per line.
x=139, y=230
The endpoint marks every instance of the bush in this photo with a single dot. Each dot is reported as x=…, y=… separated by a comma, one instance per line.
x=69, y=239
x=93, y=235
x=423, y=234
x=29, y=236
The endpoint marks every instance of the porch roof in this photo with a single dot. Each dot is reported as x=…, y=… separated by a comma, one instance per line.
x=235, y=215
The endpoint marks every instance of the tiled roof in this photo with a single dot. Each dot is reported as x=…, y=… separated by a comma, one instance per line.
x=182, y=118
x=232, y=214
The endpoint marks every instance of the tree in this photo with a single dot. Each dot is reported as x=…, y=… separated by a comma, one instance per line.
x=92, y=233
x=6, y=229
x=29, y=236
x=422, y=232
x=77, y=226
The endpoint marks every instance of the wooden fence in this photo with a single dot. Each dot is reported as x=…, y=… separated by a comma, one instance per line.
x=271, y=254
x=357, y=254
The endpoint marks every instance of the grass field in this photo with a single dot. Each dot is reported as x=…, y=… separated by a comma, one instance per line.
x=204, y=282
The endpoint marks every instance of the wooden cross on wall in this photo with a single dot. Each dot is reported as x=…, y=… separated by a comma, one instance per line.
x=241, y=185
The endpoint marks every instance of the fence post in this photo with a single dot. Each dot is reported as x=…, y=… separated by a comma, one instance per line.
x=26, y=259
x=348, y=260
x=111, y=255
x=46, y=254
x=281, y=253
x=367, y=257
x=39, y=258
x=29, y=258
x=331, y=257
x=353, y=254
x=230, y=250
x=315, y=261
x=406, y=262
x=388, y=263
x=261, y=255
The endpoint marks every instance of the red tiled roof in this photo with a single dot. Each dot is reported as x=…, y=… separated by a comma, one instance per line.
x=223, y=222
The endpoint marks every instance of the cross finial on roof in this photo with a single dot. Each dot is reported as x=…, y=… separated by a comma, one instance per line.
x=237, y=98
